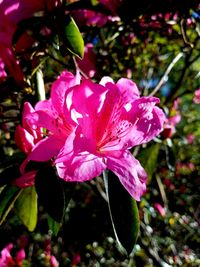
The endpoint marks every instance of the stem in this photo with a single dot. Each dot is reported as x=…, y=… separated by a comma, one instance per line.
x=40, y=85
x=165, y=75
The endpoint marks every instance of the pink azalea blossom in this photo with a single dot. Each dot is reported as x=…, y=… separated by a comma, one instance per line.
x=111, y=119
x=91, y=127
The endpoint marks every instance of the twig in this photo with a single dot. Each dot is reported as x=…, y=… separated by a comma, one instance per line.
x=165, y=76
x=40, y=85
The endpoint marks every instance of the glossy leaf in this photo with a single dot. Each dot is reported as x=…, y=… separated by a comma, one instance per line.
x=123, y=212
x=8, y=196
x=27, y=208
x=53, y=193
x=73, y=38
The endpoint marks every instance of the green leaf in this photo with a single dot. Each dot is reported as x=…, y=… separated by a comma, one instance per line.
x=73, y=38
x=149, y=158
x=8, y=196
x=123, y=212
x=53, y=193
x=53, y=225
x=26, y=207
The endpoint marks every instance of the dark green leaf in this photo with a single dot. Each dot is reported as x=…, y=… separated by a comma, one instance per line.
x=73, y=38
x=123, y=211
x=8, y=196
x=54, y=194
x=26, y=207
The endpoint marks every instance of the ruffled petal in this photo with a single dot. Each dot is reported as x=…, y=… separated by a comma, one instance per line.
x=130, y=173
x=81, y=167
x=147, y=121
x=59, y=88
x=76, y=162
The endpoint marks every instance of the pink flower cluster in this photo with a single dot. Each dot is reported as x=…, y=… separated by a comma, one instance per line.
x=85, y=128
x=8, y=260
x=11, y=13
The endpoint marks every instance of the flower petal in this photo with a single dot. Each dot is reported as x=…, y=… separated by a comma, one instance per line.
x=75, y=163
x=147, y=121
x=46, y=149
x=59, y=88
x=24, y=140
x=130, y=173
x=81, y=167
x=27, y=179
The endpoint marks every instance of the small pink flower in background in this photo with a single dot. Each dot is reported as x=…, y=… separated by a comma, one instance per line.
x=76, y=260
x=196, y=98
x=173, y=119
x=6, y=260
x=53, y=261
x=190, y=138
x=184, y=168
x=51, y=258
x=160, y=209
x=88, y=64
x=20, y=256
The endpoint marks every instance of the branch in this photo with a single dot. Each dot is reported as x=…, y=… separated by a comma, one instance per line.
x=165, y=76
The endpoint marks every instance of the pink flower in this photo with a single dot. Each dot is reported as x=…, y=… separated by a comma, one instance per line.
x=173, y=119
x=190, y=138
x=6, y=260
x=7, y=57
x=91, y=127
x=53, y=261
x=20, y=256
x=196, y=98
x=11, y=13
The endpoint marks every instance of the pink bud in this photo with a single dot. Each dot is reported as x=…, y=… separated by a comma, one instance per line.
x=160, y=209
